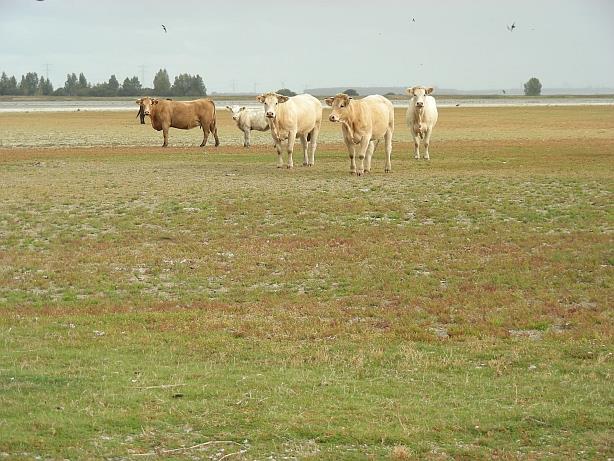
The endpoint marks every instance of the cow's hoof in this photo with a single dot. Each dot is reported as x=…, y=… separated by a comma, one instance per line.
x=305, y=164
x=359, y=173
x=202, y=145
x=387, y=170
x=280, y=166
x=289, y=167
x=417, y=157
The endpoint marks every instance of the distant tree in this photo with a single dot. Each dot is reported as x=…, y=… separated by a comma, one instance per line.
x=131, y=86
x=351, y=92
x=13, y=85
x=45, y=87
x=28, y=84
x=82, y=84
x=187, y=85
x=70, y=86
x=113, y=85
x=4, y=84
x=533, y=87
x=286, y=92
x=162, y=84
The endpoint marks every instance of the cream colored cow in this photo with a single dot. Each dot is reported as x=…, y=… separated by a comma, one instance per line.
x=421, y=117
x=289, y=117
x=364, y=122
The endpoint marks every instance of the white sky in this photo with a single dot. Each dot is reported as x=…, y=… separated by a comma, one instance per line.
x=263, y=45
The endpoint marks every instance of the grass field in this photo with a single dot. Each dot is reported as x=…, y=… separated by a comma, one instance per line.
x=153, y=300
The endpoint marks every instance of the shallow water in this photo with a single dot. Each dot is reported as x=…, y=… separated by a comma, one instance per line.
x=129, y=105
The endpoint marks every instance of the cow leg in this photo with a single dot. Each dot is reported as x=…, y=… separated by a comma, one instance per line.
x=362, y=150
x=313, y=143
x=305, y=155
x=165, y=134
x=214, y=131
x=416, y=146
x=370, y=151
x=351, y=150
x=291, y=141
x=246, y=133
x=205, y=135
x=280, y=160
x=388, y=147
x=427, y=141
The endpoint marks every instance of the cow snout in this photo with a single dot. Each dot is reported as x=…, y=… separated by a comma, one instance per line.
x=146, y=112
x=333, y=118
x=420, y=104
x=270, y=114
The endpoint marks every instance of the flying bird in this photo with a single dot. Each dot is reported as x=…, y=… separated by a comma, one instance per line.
x=512, y=27
x=413, y=19
x=503, y=91
x=164, y=27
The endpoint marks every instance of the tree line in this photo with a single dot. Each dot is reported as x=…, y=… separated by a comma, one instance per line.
x=33, y=85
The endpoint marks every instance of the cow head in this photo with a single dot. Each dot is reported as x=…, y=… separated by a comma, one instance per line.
x=271, y=101
x=340, y=104
x=235, y=111
x=147, y=103
x=418, y=93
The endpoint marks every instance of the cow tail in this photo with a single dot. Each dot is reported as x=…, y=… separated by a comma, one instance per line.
x=213, y=125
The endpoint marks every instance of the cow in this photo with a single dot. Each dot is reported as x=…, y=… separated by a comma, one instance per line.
x=248, y=120
x=141, y=114
x=421, y=117
x=166, y=113
x=289, y=117
x=363, y=122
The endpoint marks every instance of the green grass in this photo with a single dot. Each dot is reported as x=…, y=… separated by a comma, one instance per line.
x=459, y=309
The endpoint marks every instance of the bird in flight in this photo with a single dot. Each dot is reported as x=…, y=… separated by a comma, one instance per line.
x=512, y=27
x=503, y=91
x=413, y=19
x=164, y=27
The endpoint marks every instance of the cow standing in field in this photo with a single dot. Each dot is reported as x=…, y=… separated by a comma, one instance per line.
x=289, y=117
x=421, y=117
x=248, y=120
x=165, y=114
x=364, y=122
x=141, y=114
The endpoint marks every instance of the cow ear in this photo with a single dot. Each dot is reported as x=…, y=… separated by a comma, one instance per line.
x=329, y=101
x=410, y=91
x=154, y=101
x=139, y=101
x=260, y=98
x=429, y=90
x=228, y=107
x=282, y=98
x=242, y=108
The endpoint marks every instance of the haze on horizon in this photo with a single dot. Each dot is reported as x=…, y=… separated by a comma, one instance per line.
x=247, y=46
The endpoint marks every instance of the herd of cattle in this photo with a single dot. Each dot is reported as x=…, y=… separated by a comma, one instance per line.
x=364, y=122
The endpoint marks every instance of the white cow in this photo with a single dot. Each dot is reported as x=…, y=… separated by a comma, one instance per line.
x=248, y=120
x=363, y=122
x=289, y=117
x=421, y=117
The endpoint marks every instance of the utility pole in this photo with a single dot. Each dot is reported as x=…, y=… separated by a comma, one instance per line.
x=47, y=71
x=142, y=67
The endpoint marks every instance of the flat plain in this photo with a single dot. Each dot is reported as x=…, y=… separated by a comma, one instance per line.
x=189, y=303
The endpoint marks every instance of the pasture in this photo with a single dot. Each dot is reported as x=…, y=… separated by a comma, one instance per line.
x=153, y=300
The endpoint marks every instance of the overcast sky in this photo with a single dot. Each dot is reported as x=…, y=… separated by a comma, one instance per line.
x=263, y=45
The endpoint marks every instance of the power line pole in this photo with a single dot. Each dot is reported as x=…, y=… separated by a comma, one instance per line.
x=47, y=71
x=142, y=67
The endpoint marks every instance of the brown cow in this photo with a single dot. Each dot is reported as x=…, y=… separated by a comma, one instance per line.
x=183, y=115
